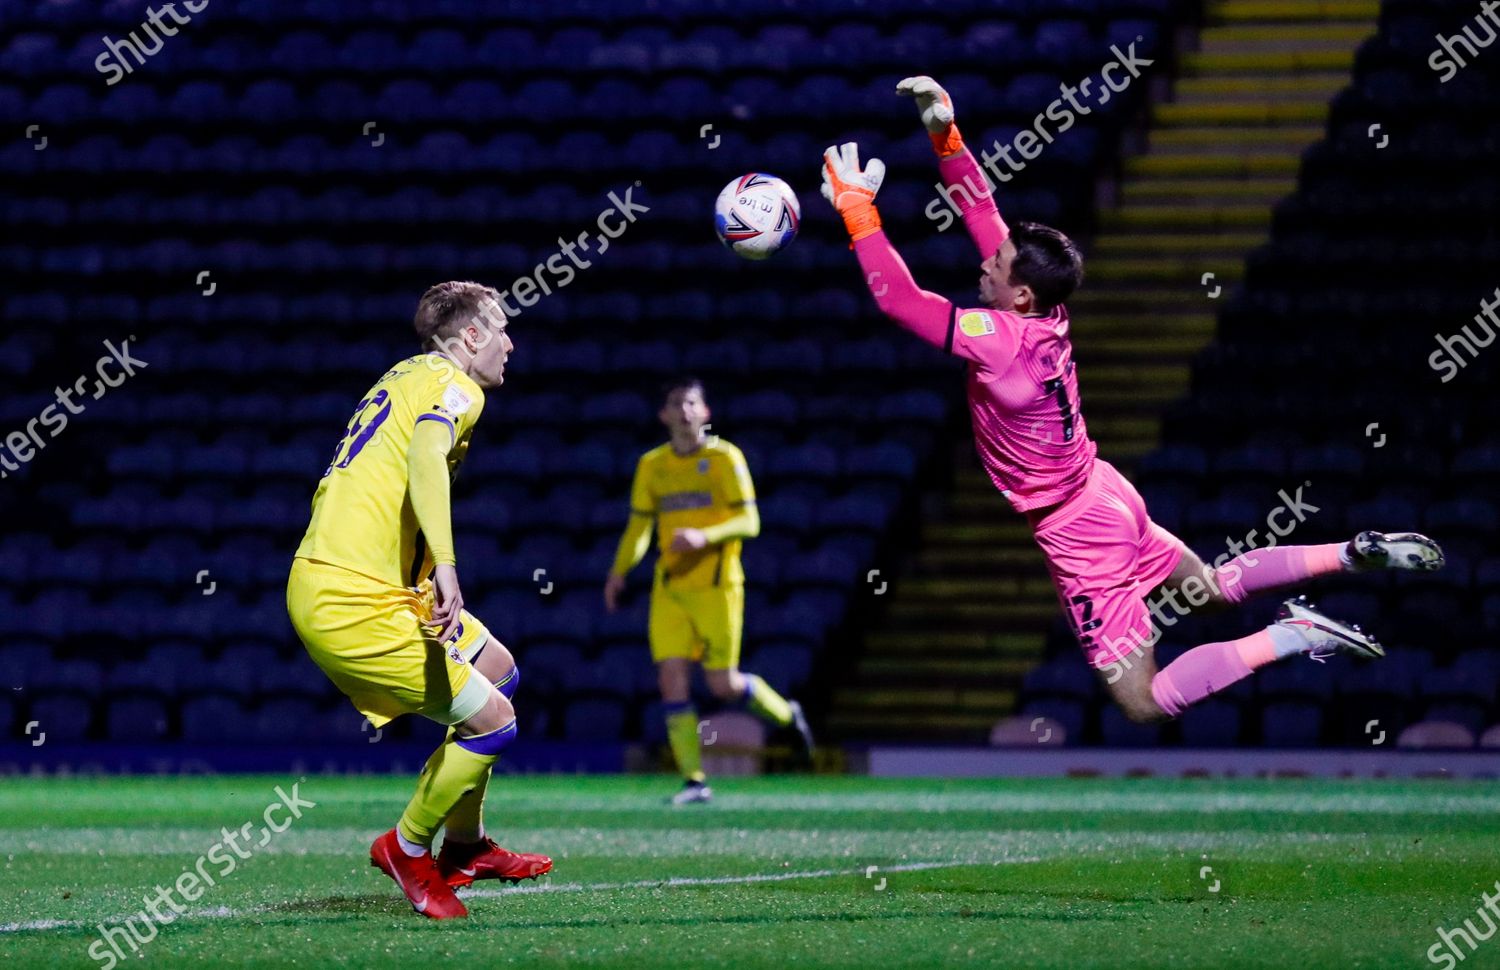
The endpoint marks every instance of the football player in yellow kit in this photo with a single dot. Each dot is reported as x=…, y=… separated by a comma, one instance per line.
x=375, y=598
x=697, y=490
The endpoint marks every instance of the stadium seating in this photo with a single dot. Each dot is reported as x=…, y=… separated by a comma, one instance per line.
x=321, y=168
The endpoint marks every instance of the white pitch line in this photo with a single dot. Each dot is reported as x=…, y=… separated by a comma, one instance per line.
x=676, y=882
x=673, y=882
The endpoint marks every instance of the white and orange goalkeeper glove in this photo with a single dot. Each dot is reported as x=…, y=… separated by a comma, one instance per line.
x=852, y=189
x=937, y=113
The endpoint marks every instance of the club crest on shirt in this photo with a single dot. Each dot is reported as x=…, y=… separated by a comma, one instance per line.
x=703, y=466
x=976, y=324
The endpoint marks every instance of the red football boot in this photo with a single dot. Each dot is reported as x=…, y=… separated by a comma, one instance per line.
x=418, y=878
x=460, y=863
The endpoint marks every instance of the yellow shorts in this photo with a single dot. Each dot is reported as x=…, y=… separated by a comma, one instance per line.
x=369, y=638
x=703, y=625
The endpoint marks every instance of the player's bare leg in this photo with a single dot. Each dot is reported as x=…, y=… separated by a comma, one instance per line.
x=468, y=853
x=674, y=676
x=733, y=686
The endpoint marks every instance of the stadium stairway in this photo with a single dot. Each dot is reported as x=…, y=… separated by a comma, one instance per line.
x=972, y=613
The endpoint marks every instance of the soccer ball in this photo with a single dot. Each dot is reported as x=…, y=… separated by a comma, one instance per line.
x=757, y=215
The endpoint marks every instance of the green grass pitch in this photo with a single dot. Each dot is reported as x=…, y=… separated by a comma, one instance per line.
x=776, y=873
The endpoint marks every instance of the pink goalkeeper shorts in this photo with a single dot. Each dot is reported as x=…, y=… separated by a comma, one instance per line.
x=1106, y=556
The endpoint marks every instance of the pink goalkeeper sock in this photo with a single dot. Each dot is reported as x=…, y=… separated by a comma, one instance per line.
x=1262, y=569
x=1208, y=669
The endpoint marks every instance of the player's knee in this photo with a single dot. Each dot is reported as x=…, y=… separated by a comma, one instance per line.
x=674, y=679
x=1140, y=707
x=496, y=713
x=726, y=685
x=1145, y=713
x=1214, y=596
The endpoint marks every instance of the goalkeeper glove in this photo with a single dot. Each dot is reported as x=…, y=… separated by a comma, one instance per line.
x=937, y=113
x=852, y=190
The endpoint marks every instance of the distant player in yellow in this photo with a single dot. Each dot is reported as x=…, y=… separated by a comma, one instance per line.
x=697, y=490
x=374, y=593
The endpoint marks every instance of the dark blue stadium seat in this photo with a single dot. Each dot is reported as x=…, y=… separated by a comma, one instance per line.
x=594, y=719
x=60, y=717
x=1211, y=724
x=136, y=717
x=1291, y=725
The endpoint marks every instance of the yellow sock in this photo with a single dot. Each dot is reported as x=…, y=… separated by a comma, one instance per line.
x=763, y=701
x=466, y=822
x=682, y=734
x=451, y=774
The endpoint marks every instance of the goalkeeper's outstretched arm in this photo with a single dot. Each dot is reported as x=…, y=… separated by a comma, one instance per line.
x=852, y=192
x=963, y=180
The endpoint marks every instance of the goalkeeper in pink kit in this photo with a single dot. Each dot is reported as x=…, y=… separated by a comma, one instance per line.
x=1105, y=554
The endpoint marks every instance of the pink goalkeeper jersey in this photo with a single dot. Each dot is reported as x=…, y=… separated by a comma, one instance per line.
x=1023, y=387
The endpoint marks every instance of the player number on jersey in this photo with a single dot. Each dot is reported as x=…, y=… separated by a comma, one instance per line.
x=361, y=429
x=1064, y=406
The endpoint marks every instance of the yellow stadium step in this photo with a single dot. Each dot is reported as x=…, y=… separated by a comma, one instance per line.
x=898, y=725
x=959, y=587
x=1343, y=37
x=954, y=699
x=1211, y=165
x=1166, y=270
x=1136, y=419
x=1175, y=217
x=1169, y=326
x=972, y=668
x=977, y=642
x=1236, y=141
x=1201, y=64
x=997, y=614
x=961, y=559
x=996, y=533
x=1284, y=11
x=1123, y=453
x=1194, y=244
x=1134, y=348
x=1205, y=190
x=1135, y=300
x=1230, y=113
x=1318, y=88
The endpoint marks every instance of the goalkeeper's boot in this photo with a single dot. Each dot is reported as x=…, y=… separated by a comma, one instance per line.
x=460, y=863
x=418, y=878
x=1326, y=636
x=1393, y=550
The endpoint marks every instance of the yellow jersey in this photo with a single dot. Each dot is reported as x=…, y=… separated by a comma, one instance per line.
x=362, y=516
x=694, y=491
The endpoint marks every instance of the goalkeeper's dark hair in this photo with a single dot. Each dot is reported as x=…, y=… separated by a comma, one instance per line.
x=1047, y=261
x=686, y=382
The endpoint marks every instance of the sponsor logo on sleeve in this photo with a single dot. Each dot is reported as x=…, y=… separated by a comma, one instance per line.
x=976, y=324
x=455, y=401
